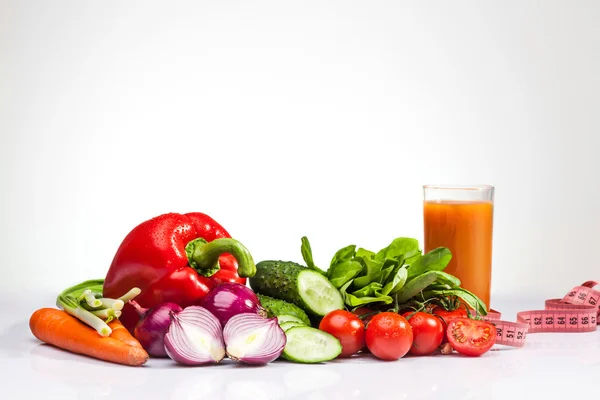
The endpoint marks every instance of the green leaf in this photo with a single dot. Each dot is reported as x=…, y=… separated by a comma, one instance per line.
x=364, y=253
x=402, y=246
x=373, y=289
x=344, y=254
x=435, y=260
x=416, y=285
x=371, y=269
x=384, y=275
x=342, y=272
x=413, y=259
x=445, y=278
x=397, y=283
x=466, y=296
x=352, y=301
x=307, y=256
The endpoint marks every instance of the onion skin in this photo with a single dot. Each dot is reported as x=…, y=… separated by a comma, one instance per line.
x=229, y=299
x=181, y=340
x=151, y=328
x=244, y=329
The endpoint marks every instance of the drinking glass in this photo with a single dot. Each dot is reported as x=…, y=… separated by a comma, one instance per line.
x=460, y=217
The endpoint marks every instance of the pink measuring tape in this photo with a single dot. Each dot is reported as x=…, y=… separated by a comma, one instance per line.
x=578, y=311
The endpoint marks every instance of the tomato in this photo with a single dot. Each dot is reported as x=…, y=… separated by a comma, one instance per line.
x=471, y=337
x=389, y=336
x=365, y=310
x=449, y=316
x=347, y=328
x=428, y=332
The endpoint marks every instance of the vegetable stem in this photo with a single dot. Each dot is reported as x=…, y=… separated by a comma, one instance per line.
x=130, y=295
x=115, y=304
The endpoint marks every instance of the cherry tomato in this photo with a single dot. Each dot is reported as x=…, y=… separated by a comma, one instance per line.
x=449, y=316
x=389, y=336
x=347, y=328
x=365, y=310
x=471, y=337
x=428, y=332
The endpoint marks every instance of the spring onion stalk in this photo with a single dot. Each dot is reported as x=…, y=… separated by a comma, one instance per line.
x=92, y=301
x=107, y=314
x=86, y=303
x=115, y=304
x=130, y=295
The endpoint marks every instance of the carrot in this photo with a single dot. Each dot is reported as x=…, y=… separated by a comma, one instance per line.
x=121, y=333
x=64, y=331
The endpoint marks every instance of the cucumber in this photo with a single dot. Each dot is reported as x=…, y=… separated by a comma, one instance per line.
x=298, y=285
x=310, y=345
x=283, y=318
x=290, y=324
x=277, y=307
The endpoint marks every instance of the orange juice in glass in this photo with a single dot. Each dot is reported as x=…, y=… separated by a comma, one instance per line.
x=460, y=217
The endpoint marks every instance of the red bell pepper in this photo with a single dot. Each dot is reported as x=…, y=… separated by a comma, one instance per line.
x=175, y=258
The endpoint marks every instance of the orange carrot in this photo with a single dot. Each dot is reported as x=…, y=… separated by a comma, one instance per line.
x=62, y=330
x=121, y=333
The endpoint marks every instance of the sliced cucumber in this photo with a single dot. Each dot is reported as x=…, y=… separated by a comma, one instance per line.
x=310, y=345
x=290, y=324
x=281, y=319
x=319, y=295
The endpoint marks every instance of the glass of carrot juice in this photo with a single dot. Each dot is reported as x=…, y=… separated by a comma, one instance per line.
x=460, y=217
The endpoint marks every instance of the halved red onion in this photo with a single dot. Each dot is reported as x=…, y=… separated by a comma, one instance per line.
x=252, y=339
x=194, y=337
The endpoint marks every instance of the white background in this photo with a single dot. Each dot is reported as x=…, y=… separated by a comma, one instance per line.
x=284, y=119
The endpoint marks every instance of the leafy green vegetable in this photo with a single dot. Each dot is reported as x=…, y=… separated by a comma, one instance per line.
x=353, y=301
x=306, y=251
x=372, y=289
x=344, y=271
x=399, y=273
x=435, y=260
x=397, y=283
x=416, y=285
x=371, y=268
x=447, y=279
x=402, y=246
x=344, y=254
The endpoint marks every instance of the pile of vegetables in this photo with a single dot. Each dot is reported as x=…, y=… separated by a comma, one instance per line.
x=180, y=287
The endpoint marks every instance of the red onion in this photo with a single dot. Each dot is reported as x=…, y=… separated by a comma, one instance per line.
x=194, y=337
x=229, y=299
x=151, y=328
x=253, y=339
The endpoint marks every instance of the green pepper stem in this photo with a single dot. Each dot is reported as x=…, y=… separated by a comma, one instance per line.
x=205, y=256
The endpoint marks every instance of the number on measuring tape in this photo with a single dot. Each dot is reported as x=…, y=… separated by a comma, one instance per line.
x=573, y=320
x=561, y=320
x=499, y=332
x=519, y=335
x=582, y=296
x=584, y=320
x=572, y=293
x=593, y=301
x=549, y=321
x=510, y=334
x=537, y=320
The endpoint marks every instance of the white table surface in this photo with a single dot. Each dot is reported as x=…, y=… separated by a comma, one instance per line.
x=551, y=365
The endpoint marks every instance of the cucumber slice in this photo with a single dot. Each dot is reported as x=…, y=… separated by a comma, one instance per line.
x=281, y=319
x=310, y=345
x=319, y=295
x=290, y=324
